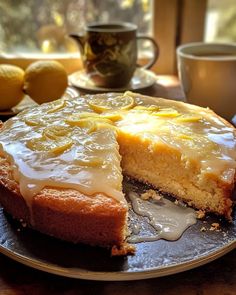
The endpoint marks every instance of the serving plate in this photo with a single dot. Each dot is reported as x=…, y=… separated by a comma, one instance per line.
x=141, y=79
x=152, y=259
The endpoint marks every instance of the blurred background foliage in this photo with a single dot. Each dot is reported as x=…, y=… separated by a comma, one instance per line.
x=34, y=25
x=43, y=25
x=221, y=21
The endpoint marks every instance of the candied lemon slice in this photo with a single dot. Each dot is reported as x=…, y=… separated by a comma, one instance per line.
x=110, y=116
x=104, y=125
x=185, y=136
x=53, y=132
x=56, y=106
x=90, y=162
x=73, y=119
x=188, y=118
x=116, y=116
x=87, y=115
x=168, y=112
x=104, y=104
x=151, y=108
x=34, y=121
x=103, y=120
x=43, y=144
x=87, y=123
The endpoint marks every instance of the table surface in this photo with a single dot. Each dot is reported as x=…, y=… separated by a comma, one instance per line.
x=216, y=278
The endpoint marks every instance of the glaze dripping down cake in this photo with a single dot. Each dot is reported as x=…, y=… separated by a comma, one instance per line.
x=61, y=163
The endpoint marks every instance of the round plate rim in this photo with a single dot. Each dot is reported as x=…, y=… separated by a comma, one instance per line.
x=120, y=275
x=7, y=113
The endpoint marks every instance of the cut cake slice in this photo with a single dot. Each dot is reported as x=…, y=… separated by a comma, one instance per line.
x=61, y=174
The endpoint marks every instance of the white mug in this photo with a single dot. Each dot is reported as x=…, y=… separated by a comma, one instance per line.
x=207, y=72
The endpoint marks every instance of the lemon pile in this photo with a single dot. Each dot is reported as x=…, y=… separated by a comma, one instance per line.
x=11, y=86
x=43, y=81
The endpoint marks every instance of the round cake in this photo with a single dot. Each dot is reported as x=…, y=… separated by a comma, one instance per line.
x=62, y=163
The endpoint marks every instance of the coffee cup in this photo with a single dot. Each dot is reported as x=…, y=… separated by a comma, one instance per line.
x=207, y=73
x=109, y=52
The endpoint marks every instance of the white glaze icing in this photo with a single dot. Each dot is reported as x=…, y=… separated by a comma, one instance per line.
x=168, y=219
x=209, y=140
x=35, y=170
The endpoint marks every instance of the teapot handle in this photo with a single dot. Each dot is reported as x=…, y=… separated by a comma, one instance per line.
x=155, y=49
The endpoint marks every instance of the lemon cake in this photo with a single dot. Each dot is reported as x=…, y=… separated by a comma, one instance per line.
x=61, y=163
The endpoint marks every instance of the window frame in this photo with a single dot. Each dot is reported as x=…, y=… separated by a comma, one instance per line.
x=176, y=22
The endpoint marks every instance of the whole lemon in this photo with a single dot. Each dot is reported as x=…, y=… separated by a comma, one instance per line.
x=45, y=81
x=11, y=86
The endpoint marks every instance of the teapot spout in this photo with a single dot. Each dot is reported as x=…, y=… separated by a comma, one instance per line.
x=80, y=41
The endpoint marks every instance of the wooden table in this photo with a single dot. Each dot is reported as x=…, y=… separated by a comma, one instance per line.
x=215, y=278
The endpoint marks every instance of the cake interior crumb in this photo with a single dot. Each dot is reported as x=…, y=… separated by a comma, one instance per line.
x=215, y=226
x=151, y=194
x=124, y=249
x=201, y=214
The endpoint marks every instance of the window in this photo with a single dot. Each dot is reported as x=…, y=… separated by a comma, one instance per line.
x=220, y=21
x=43, y=25
x=35, y=27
